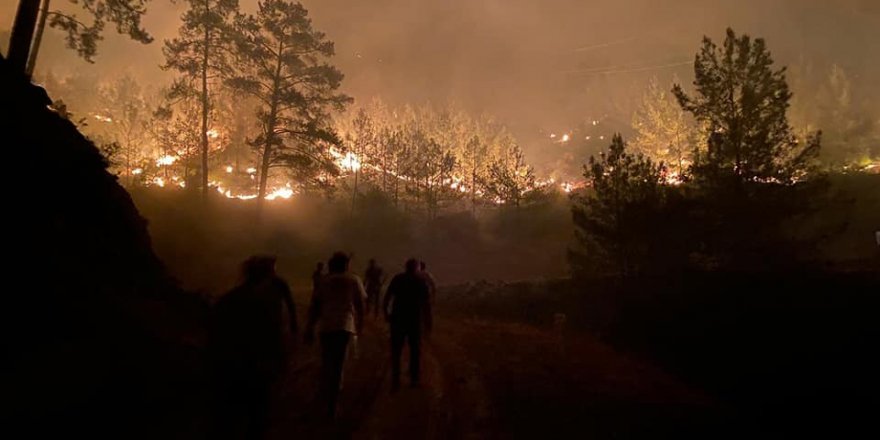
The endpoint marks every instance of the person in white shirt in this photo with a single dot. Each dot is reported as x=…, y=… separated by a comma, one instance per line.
x=337, y=309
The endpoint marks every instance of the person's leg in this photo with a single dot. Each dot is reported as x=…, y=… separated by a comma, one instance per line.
x=373, y=305
x=258, y=406
x=337, y=343
x=397, y=340
x=227, y=420
x=415, y=356
x=325, y=379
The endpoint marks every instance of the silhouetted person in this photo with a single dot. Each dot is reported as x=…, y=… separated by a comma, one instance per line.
x=317, y=275
x=410, y=317
x=373, y=284
x=429, y=278
x=247, y=350
x=338, y=309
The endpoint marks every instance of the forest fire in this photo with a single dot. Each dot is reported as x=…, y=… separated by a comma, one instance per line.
x=617, y=219
x=166, y=160
x=281, y=193
x=350, y=162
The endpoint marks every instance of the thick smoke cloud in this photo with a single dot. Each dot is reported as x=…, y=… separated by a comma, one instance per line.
x=538, y=65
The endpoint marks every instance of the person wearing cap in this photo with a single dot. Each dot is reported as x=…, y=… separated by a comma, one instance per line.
x=337, y=309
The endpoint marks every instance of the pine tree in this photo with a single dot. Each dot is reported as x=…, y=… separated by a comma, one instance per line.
x=361, y=139
x=125, y=108
x=199, y=54
x=439, y=165
x=174, y=127
x=663, y=131
x=285, y=68
x=847, y=124
x=33, y=15
x=473, y=164
x=614, y=222
x=742, y=102
x=509, y=179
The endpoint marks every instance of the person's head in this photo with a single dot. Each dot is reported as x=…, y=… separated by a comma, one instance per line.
x=258, y=267
x=372, y=262
x=338, y=262
x=320, y=266
x=412, y=265
x=422, y=266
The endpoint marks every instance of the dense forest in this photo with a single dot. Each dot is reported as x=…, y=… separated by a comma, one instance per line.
x=693, y=248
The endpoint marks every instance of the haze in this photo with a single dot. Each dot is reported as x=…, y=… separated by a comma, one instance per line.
x=540, y=66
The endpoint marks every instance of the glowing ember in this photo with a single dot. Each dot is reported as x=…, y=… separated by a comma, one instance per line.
x=166, y=160
x=160, y=182
x=552, y=135
x=213, y=134
x=566, y=187
x=251, y=170
x=137, y=171
x=351, y=162
x=229, y=168
x=284, y=193
x=103, y=118
x=565, y=138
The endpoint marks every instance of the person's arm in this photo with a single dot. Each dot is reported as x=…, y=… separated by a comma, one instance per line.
x=359, y=298
x=389, y=295
x=432, y=288
x=428, y=313
x=291, y=306
x=314, y=314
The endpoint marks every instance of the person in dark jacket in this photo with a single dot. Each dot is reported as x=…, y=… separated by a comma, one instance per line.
x=373, y=280
x=410, y=318
x=317, y=275
x=247, y=348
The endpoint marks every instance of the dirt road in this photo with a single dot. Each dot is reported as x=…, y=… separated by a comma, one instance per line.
x=493, y=380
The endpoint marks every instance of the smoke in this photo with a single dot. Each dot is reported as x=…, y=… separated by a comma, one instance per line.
x=540, y=66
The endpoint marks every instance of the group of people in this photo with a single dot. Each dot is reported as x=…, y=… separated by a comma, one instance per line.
x=246, y=343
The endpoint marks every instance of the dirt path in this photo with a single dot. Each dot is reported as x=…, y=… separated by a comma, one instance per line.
x=490, y=380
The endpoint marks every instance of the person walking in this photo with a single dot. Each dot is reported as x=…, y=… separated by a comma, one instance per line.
x=409, y=317
x=337, y=309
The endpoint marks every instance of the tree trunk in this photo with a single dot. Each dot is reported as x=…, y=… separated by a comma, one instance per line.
x=354, y=193
x=385, y=168
x=474, y=191
x=428, y=196
x=204, y=133
x=22, y=34
x=38, y=38
x=267, y=150
x=264, y=172
x=396, y=182
x=270, y=133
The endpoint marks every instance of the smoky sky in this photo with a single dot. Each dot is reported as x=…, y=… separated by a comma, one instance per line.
x=535, y=64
